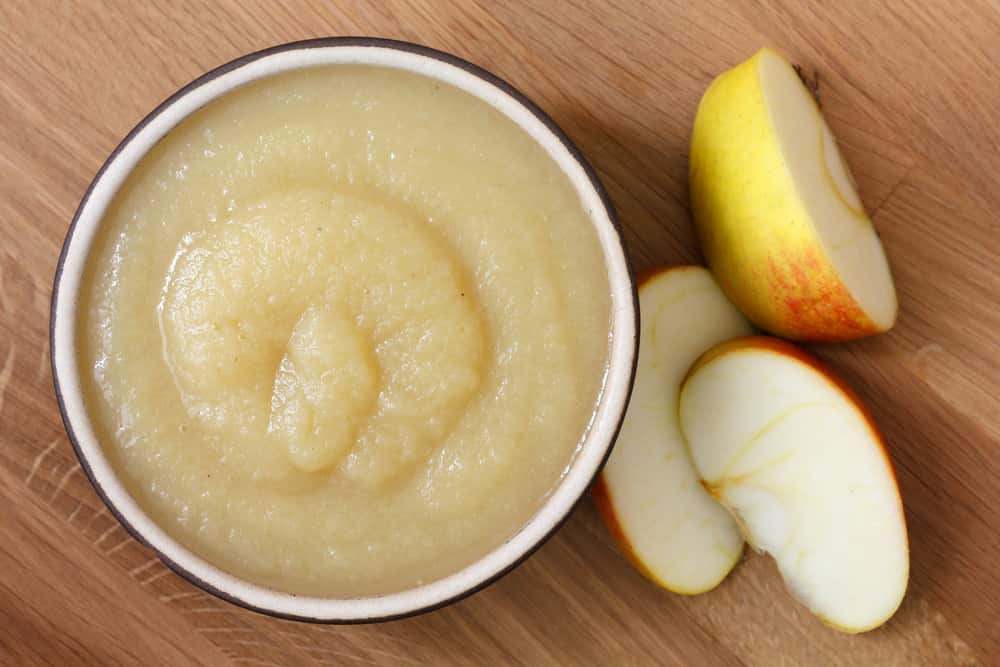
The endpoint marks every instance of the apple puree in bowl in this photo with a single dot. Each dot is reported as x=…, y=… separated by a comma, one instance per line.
x=343, y=329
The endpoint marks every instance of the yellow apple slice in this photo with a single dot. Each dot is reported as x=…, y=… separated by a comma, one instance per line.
x=779, y=219
x=790, y=450
x=649, y=493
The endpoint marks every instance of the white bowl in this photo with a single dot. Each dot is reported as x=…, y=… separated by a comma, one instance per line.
x=335, y=51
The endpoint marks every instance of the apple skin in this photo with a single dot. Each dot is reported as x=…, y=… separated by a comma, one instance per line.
x=787, y=349
x=605, y=508
x=604, y=498
x=784, y=348
x=755, y=234
x=599, y=492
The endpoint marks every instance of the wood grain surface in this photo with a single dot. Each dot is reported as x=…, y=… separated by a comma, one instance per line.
x=912, y=89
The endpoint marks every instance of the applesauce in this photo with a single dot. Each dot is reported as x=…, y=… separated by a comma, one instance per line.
x=343, y=329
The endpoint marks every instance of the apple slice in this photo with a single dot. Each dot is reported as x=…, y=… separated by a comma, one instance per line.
x=649, y=493
x=777, y=212
x=789, y=449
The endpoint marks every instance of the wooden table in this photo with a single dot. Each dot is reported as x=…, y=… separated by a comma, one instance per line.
x=912, y=91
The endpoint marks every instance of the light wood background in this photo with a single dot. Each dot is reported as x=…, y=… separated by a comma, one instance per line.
x=911, y=89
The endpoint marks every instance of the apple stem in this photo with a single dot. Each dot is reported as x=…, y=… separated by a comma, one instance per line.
x=811, y=83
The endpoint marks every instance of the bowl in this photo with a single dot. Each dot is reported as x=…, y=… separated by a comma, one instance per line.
x=593, y=451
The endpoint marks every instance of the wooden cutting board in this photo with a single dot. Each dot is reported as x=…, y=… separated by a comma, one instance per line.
x=912, y=90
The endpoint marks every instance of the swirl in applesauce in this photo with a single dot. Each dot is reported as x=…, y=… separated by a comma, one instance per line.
x=348, y=326
x=350, y=352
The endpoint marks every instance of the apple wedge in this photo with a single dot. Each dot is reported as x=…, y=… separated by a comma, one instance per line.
x=648, y=493
x=790, y=450
x=779, y=218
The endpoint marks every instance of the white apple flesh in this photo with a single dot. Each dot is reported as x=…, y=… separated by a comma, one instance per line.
x=791, y=451
x=649, y=493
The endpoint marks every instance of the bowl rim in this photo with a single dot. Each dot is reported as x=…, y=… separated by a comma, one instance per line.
x=474, y=576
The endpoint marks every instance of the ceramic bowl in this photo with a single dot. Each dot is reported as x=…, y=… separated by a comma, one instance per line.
x=336, y=51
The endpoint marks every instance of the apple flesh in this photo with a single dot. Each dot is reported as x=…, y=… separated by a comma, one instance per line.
x=784, y=444
x=777, y=213
x=648, y=493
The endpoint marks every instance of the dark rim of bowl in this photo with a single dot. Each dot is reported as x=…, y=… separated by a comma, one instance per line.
x=324, y=42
